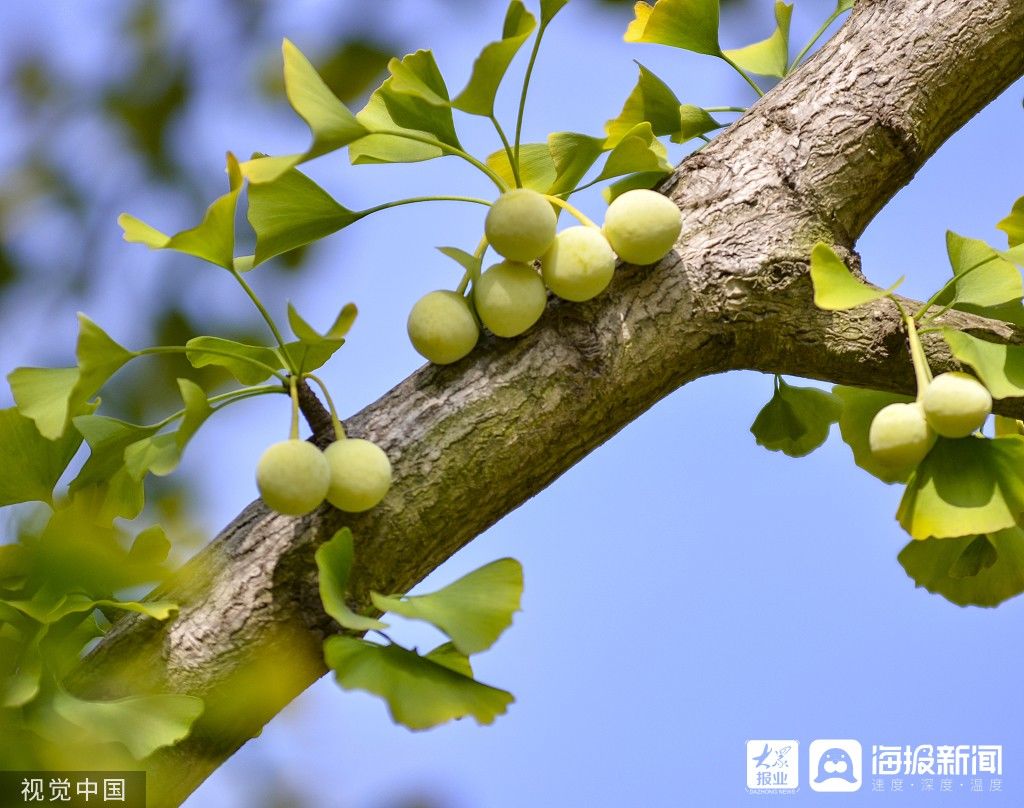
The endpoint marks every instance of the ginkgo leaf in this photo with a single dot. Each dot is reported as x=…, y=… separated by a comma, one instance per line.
x=1000, y=367
x=490, y=66
x=330, y=122
x=796, y=420
x=965, y=487
x=688, y=24
x=536, y=167
x=859, y=408
x=572, y=156
x=651, y=100
x=1013, y=224
x=249, y=364
x=291, y=211
x=161, y=454
x=983, y=278
x=213, y=239
x=44, y=396
x=639, y=151
x=473, y=611
x=769, y=57
x=334, y=562
x=421, y=692
x=549, y=8
x=693, y=122
x=414, y=101
x=469, y=262
x=997, y=561
x=141, y=723
x=835, y=287
x=32, y=464
x=646, y=179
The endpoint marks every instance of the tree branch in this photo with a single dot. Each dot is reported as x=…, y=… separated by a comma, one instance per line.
x=814, y=160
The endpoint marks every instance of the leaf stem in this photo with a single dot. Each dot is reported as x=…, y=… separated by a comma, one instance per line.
x=821, y=31
x=571, y=209
x=415, y=199
x=922, y=372
x=513, y=161
x=746, y=76
x=224, y=399
x=725, y=109
x=526, y=87
x=294, y=392
x=184, y=349
x=266, y=316
x=408, y=134
x=339, y=430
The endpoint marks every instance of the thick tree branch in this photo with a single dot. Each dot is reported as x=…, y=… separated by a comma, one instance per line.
x=815, y=159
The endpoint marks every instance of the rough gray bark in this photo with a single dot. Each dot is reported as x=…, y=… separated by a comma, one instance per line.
x=815, y=159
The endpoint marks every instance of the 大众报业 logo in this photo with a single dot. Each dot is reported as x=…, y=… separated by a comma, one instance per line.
x=773, y=765
x=835, y=765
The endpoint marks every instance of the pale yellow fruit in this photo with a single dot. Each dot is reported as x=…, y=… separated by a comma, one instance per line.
x=956, y=404
x=900, y=436
x=292, y=477
x=520, y=225
x=360, y=474
x=579, y=264
x=510, y=297
x=442, y=327
x=642, y=226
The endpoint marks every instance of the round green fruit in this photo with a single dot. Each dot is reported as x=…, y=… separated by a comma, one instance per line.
x=579, y=264
x=510, y=297
x=900, y=436
x=956, y=404
x=642, y=226
x=360, y=474
x=520, y=225
x=292, y=477
x=442, y=327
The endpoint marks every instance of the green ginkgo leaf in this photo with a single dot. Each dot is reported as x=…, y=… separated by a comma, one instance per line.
x=143, y=724
x=647, y=179
x=965, y=487
x=330, y=122
x=108, y=440
x=150, y=547
x=1000, y=367
x=291, y=211
x=693, y=122
x=161, y=454
x=421, y=692
x=412, y=101
x=469, y=262
x=549, y=8
x=492, y=63
x=1013, y=224
x=44, y=396
x=843, y=5
x=796, y=420
x=835, y=287
x=536, y=167
x=983, y=278
x=307, y=357
x=996, y=562
x=249, y=364
x=651, y=100
x=473, y=611
x=32, y=464
x=333, y=563
x=638, y=152
x=572, y=156
x=859, y=408
x=769, y=57
x=688, y=24
x=213, y=239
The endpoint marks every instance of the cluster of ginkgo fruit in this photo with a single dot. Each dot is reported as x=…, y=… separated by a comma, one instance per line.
x=294, y=477
x=576, y=264
x=953, y=405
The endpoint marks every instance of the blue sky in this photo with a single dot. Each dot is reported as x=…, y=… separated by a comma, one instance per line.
x=686, y=590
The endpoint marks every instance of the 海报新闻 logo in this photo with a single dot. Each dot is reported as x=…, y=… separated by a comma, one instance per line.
x=835, y=765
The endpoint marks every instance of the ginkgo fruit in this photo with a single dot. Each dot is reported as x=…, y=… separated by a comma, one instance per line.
x=509, y=297
x=579, y=264
x=956, y=404
x=900, y=436
x=520, y=225
x=642, y=226
x=442, y=327
x=360, y=474
x=292, y=477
